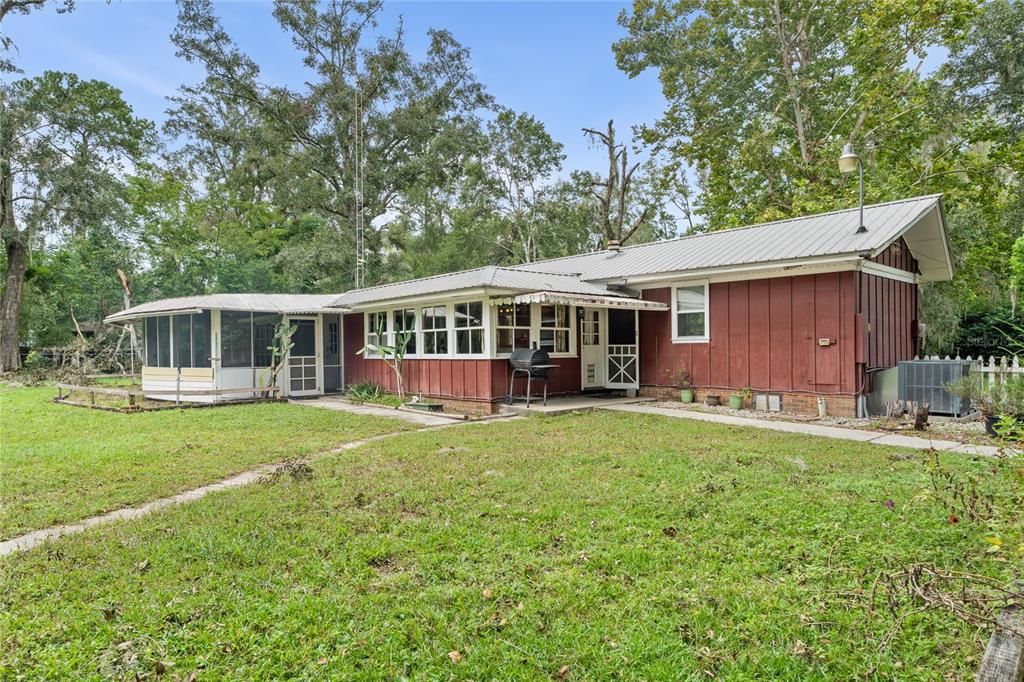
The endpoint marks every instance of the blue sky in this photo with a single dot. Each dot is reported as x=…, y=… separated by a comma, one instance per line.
x=552, y=60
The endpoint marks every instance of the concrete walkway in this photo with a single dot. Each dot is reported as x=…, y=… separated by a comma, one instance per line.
x=408, y=415
x=38, y=537
x=874, y=437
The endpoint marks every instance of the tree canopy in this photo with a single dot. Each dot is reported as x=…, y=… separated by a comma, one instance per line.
x=383, y=165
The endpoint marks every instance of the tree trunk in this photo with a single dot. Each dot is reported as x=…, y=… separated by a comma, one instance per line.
x=10, y=307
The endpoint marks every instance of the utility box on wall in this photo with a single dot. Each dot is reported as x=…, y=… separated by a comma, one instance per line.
x=924, y=381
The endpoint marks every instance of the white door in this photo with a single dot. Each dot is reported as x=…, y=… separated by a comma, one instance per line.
x=303, y=360
x=592, y=345
x=623, y=349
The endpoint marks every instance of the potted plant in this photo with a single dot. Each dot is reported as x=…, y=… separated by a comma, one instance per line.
x=1000, y=402
x=737, y=399
x=683, y=382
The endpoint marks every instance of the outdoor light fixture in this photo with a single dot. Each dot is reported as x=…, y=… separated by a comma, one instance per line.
x=849, y=162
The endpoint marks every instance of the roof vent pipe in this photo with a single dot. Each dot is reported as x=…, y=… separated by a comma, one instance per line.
x=614, y=245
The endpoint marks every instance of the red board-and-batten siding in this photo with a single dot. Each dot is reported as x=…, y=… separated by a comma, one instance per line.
x=890, y=308
x=764, y=334
x=484, y=380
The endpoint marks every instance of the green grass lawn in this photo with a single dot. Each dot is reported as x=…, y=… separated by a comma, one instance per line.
x=60, y=463
x=604, y=546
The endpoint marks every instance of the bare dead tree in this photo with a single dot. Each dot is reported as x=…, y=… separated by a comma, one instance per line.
x=611, y=192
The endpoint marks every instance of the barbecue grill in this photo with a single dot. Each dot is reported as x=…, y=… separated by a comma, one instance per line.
x=530, y=363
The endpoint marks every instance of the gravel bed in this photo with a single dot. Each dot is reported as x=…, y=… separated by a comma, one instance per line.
x=941, y=428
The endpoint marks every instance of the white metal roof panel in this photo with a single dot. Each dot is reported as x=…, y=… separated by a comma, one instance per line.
x=825, y=234
x=490, y=277
x=269, y=303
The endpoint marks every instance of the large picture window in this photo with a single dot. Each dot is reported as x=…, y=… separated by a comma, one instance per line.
x=513, y=327
x=690, y=316
x=435, y=330
x=469, y=328
x=236, y=339
x=554, y=328
x=405, y=325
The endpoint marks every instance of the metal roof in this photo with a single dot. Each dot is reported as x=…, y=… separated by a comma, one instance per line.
x=824, y=234
x=267, y=303
x=490, y=277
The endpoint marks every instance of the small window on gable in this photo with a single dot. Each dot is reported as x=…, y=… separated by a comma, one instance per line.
x=690, y=312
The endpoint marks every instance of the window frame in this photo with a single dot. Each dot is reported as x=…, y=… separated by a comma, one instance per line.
x=676, y=286
x=531, y=328
x=414, y=339
x=469, y=329
x=556, y=330
x=369, y=330
x=534, y=330
x=424, y=331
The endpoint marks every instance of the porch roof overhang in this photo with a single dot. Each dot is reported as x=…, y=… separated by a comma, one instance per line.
x=586, y=300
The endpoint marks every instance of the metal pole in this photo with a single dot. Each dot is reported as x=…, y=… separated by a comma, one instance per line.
x=860, y=169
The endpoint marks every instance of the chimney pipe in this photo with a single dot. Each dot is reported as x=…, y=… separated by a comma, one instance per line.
x=614, y=244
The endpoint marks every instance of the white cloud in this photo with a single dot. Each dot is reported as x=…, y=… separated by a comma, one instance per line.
x=117, y=72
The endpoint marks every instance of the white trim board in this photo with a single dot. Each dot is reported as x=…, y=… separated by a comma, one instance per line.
x=889, y=272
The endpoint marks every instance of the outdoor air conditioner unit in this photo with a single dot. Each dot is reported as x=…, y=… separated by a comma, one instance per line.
x=924, y=381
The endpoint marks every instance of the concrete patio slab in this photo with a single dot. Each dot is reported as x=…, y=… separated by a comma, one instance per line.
x=874, y=437
x=575, y=403
x=340, y=404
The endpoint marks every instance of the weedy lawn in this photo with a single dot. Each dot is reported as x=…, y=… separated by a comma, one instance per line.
x=594, y=546
x=60, y=463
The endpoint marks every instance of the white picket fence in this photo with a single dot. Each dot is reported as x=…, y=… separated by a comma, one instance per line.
x=995, y=370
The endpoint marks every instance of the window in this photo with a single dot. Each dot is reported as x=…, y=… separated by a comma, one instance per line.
x=191, y=335
x=435, y=330
x=152, y=342
x=264, y=326
x=332, y=338
x=236, y=339
x=163, y=326
x=513, y=327
x=376, y=330
x=201, y=339
x=691, y=313
x=405, y=326
x=182, y=340
x=469, y=328
x=554, y=328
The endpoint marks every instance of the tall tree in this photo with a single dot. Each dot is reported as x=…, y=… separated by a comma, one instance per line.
x=370, y=125
x=519, y=159
x=65, y=146
x=612, y=192
x=761, y=96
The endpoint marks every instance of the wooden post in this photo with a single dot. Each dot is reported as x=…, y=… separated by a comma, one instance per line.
x=1004, y=657
x=92, y=398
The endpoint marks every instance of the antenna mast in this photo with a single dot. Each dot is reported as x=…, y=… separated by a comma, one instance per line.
x=359, y=182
